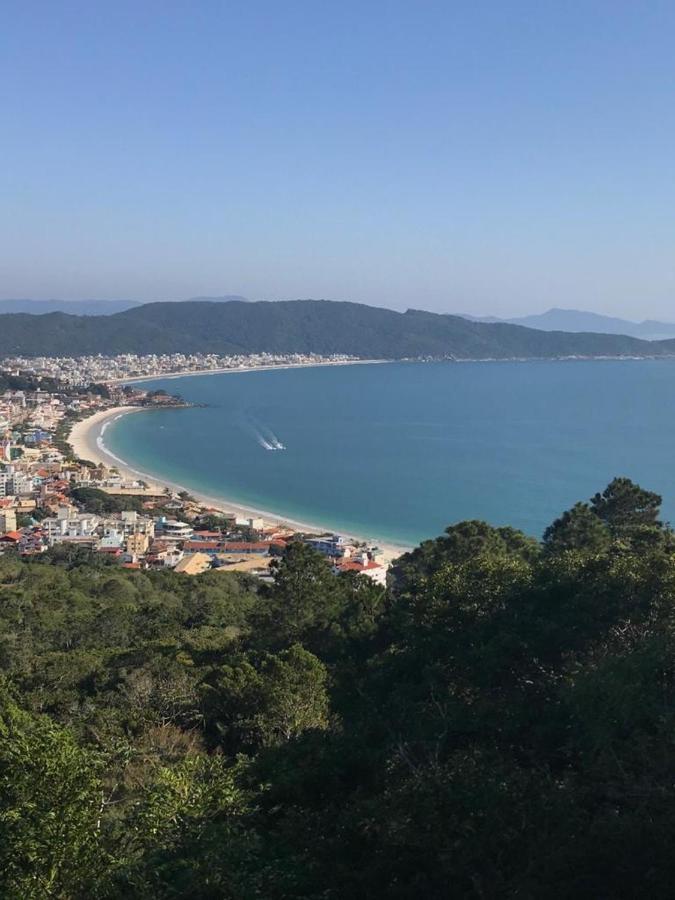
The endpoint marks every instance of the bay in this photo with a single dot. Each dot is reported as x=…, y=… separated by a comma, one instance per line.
x=400, y=450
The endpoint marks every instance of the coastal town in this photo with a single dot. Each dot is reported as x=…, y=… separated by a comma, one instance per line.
x=81, y=371
x=55, y=500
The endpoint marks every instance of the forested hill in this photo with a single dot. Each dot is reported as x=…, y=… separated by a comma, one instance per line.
x=497, y=724
x=301, y=326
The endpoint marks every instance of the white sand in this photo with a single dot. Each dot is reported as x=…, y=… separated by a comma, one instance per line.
x=234, y=371
x=87, y=443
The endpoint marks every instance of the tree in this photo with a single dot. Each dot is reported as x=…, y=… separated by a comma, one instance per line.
x=51, y=802
x=303, y=604
x=461, y=543
x=252, y=704
x=579, y=528
x=624, y=505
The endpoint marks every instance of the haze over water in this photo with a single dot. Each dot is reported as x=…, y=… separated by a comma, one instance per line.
x=399, y=451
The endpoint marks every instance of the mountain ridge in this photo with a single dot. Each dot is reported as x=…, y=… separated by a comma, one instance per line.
x=577, y=320
x=93, y=307
x=300, y=326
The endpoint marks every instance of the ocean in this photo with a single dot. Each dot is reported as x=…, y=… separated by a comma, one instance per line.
x=399, y=451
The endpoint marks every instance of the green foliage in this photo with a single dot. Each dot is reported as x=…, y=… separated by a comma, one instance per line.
x=51, y=801
x=268, y=702
x=300, y=326
x=498, y=723
x=94, y=500
x=579, y=528
x=624, y=504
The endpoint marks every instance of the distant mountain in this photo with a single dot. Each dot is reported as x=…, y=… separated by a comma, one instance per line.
x=300, y=326
x=574, y=320
x=72, y=307
x=91, y=307
x=228, y=298
x=481, y=318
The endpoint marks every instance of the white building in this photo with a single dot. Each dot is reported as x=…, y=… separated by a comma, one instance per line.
x=330, y=545
x=177, y=531
x=69, y=524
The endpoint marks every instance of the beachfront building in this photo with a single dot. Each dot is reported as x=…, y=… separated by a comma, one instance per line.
x=333, y=545
x=175, y=529
x=362, y=564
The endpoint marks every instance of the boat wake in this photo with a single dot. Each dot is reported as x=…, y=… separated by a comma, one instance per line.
x=267, y=438
x=272, y=444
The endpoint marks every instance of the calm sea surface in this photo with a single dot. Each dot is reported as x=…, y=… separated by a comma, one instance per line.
x=399, y=451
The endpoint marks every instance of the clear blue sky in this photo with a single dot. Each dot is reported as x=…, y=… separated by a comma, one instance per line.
x=487, y=157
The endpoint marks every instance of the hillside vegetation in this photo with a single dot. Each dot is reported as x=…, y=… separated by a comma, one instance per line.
x=497, y=723
x=300, y=326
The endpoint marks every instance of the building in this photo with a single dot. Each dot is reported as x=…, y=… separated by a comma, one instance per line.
x=6, y=450
x=137, y=544
x=255, y=524
x=7, y=520
x=130, y=522
x=69, y=524
x=176, y=530
x=362, y=565
x=333, y=545
x=194, y=564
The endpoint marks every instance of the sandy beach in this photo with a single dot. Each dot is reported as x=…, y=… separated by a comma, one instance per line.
x=247, y=369
x=87, y=440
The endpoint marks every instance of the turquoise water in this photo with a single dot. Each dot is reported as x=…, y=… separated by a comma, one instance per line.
x=399, y=451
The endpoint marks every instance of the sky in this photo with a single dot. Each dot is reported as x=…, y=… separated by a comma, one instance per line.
x=478, y=157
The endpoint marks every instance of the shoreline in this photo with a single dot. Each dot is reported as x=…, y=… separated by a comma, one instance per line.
x=86, y=440
x=240, y=370
x=134, y=379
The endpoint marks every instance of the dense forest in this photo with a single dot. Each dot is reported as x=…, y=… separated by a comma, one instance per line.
x=300, y=326
x=498, y=722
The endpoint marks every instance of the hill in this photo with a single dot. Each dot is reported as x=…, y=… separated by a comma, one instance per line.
x=300, y=326
x=88, y=307
x=575, y=320
x=496, y=723
x=72, y=307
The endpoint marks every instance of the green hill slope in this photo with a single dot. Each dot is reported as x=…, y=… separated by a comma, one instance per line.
x=300, y=326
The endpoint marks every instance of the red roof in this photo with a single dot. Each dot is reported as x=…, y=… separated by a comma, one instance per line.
x=11, y=536
x=201, y=545
x=131, y=565
x=353, y=565
x=238, y=546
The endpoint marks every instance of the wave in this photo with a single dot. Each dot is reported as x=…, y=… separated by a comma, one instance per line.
x=102, y=447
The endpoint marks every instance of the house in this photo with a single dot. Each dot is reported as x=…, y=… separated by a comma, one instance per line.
x=362, y=565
